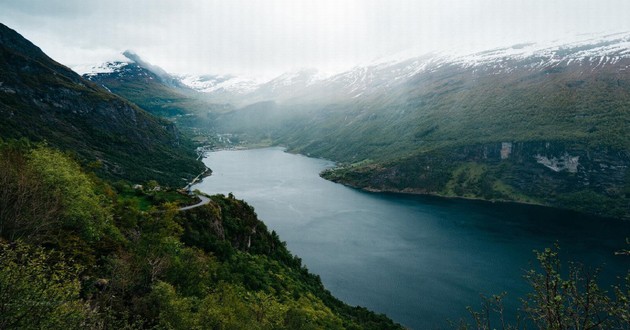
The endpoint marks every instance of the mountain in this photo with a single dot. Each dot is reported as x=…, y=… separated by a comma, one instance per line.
x=43, y=100
x=221, y=88
x=389, y=73
x=101, y=253
x=532, y=108
x=543, y=124
x=153, y=89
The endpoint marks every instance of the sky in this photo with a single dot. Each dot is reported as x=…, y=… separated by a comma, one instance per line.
x=268, y=37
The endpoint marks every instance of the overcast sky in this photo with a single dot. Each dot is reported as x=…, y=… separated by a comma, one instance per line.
x=271, y=36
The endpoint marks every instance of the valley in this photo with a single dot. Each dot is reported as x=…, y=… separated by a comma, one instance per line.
x=418, y=259
x=423, y=124
x=404, y=186
x=96, y=232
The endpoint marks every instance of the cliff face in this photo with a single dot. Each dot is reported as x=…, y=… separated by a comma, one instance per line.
x=553, y=173
x=43, y=100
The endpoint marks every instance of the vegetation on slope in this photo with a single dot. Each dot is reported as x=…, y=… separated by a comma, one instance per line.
x=43, y=100
x=560, y=299
x=93, y=259
x=419, y=136
x=161, y=98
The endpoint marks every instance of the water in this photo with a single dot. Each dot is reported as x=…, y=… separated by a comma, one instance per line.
x=420, y=260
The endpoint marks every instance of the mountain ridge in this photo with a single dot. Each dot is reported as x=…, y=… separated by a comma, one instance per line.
x=439, y=129
x=387, y=120
x=43, y=100
x=604, y=49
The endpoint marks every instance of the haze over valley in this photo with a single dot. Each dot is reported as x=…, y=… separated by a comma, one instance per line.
x=314, y=165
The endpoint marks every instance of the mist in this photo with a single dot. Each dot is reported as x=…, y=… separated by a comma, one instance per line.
x=265, y=38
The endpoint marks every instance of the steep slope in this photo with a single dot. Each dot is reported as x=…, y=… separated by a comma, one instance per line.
x=91, y=257
x=153, y=89
x=545, y=125
x=43, y=100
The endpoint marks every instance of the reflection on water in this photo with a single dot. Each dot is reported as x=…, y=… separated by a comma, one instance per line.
x=421, y=260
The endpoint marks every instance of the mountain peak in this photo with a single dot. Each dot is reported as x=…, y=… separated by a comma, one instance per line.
x=132, y=56
x=41, y=99
x=135, y=58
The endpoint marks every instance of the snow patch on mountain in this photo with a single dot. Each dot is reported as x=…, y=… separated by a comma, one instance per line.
x=590, y=49
x=220, y=83
x=108, y=67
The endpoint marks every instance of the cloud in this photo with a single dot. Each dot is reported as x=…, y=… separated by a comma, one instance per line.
x=266, y=37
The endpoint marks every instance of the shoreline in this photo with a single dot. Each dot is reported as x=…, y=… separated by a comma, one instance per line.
x=409, y=192
x=416, y=192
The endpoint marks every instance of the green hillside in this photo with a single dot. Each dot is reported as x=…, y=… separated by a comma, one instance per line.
x=443, y=133
x=77, y=252
x=159, y=94
x=81, y=249
x=42, y=100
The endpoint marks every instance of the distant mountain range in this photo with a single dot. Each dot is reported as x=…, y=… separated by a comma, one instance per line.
x=544, y=124
x=308, y=85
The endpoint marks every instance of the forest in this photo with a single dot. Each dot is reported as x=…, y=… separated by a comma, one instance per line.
x=80, y=252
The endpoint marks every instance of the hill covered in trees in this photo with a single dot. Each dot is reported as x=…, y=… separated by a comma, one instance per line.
x=43, y=100
x=535, y=125
x=78, y=252
x=80, y=248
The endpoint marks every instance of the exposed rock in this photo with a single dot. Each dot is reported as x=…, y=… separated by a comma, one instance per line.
x=565, y=162
x=506, y=150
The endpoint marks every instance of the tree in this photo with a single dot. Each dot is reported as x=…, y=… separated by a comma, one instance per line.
x=83, y=209
x=574, y=302
x=559, y=302
x=28, y=210
x=39, y=290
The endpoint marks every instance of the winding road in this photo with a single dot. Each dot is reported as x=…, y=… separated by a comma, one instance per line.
x=204, y=200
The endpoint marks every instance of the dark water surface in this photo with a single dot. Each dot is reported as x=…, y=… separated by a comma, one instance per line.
x=420, y=260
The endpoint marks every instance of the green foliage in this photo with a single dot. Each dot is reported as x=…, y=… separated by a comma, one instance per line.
x=232, y=307
x=559, y=300
x=143, y=199
x=39, y=290
x=212, y=267
x=82, y=208
x=51, y=103
x=44, y=191
x=468, y=180
x=28, y=210
x=478, y=172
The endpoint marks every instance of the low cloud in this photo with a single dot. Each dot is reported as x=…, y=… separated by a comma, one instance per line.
x=267, y=37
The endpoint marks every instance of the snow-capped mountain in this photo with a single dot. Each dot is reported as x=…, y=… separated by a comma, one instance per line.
x=387, y=74
x=215, y=83
x=601, y=50
x=107, y=67
x=592, y=52
x=150, y=87
x=243, y=90
x=130, y=67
